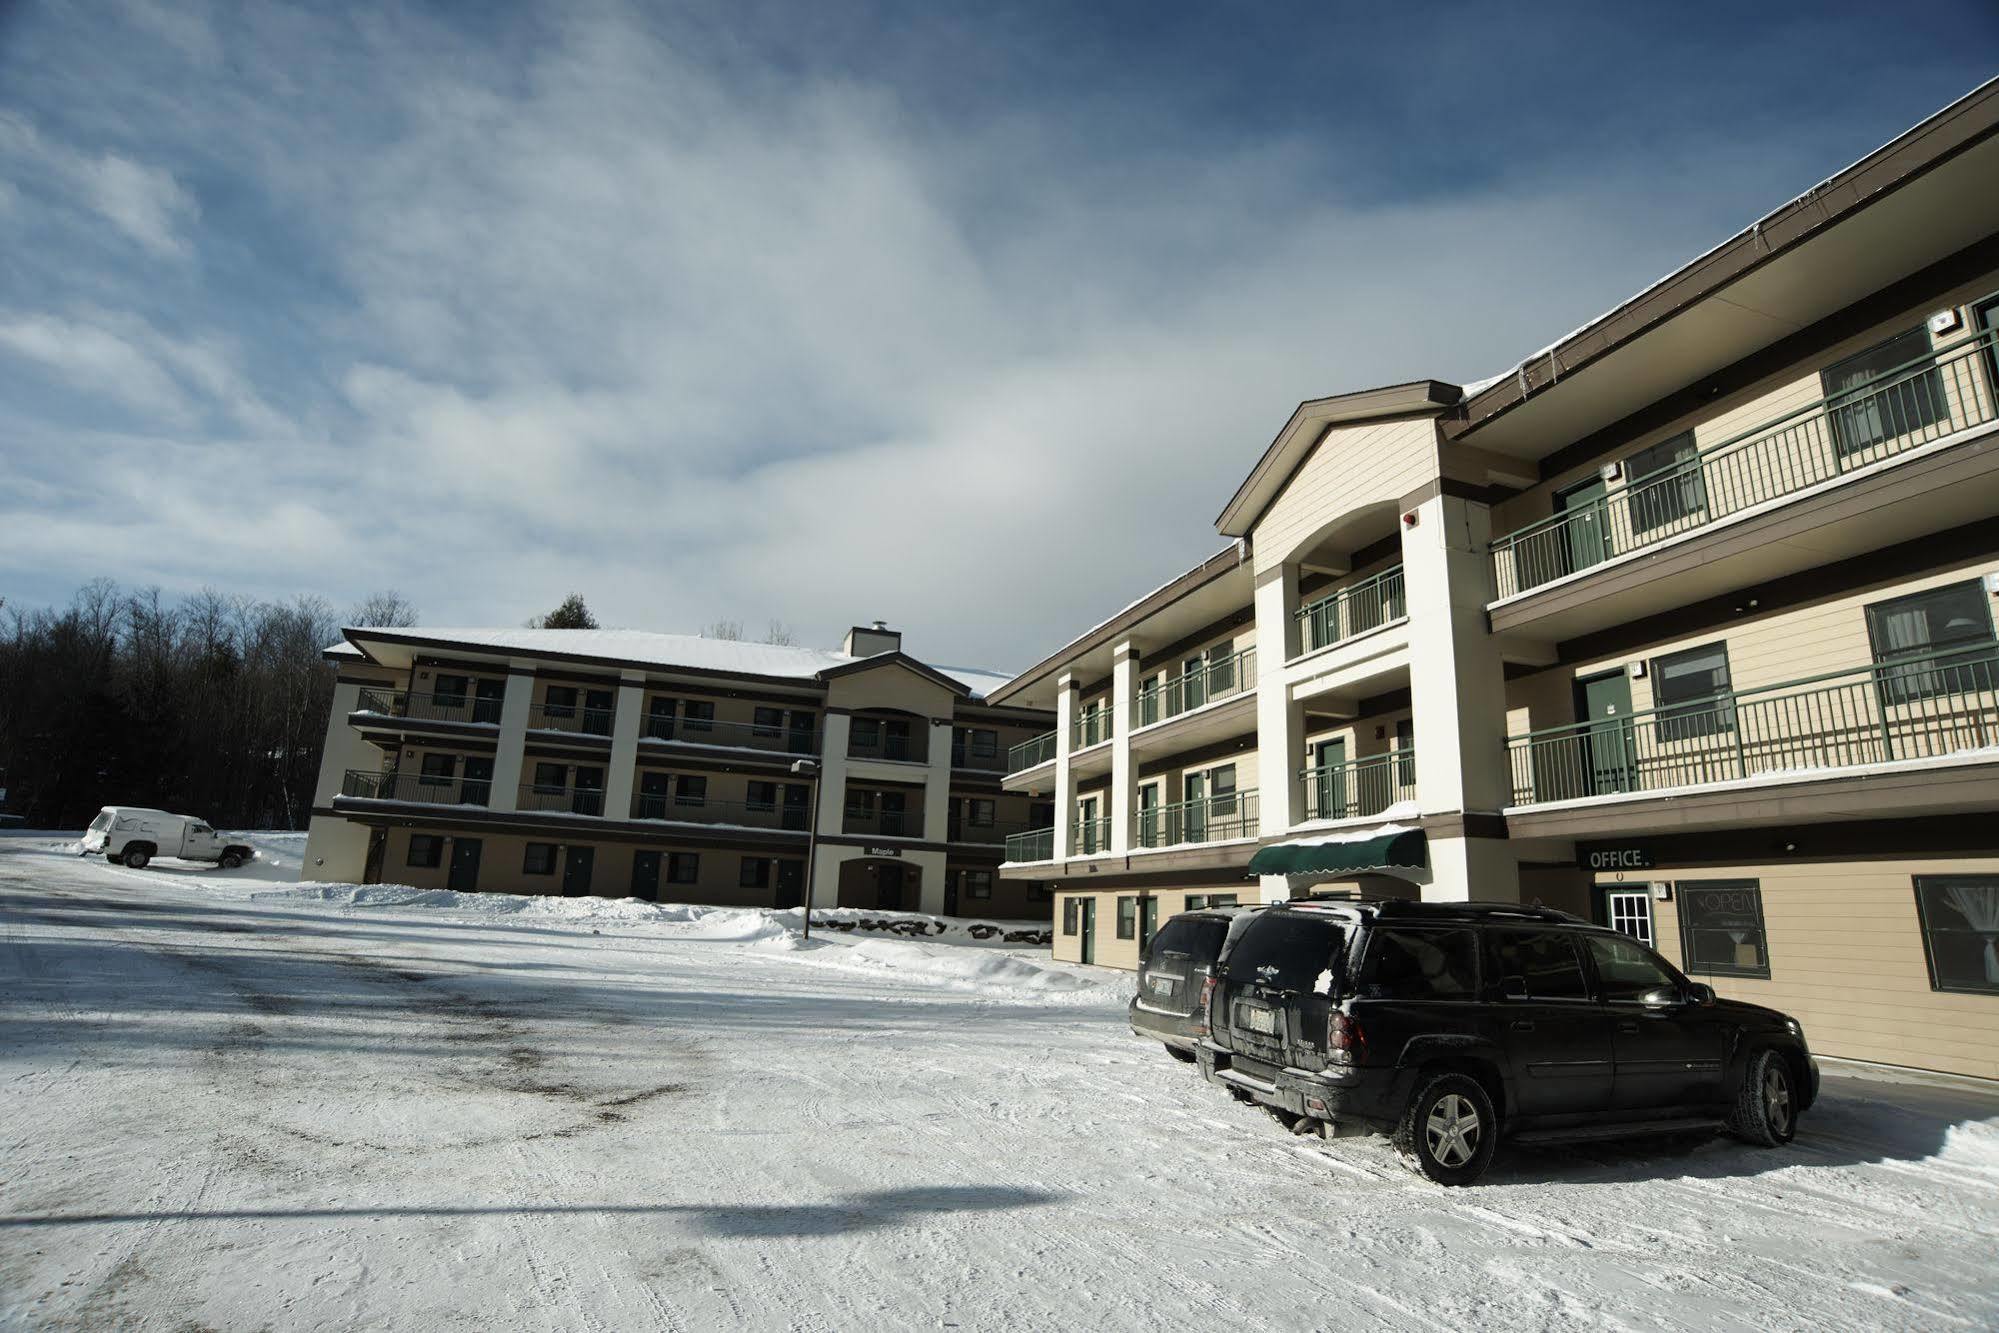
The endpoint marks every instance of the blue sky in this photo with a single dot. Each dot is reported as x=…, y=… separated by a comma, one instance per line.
x=968, y=318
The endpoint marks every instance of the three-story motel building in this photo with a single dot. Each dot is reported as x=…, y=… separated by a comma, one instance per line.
x=1685, y=624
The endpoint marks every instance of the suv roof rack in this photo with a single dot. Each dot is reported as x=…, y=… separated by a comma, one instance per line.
x=1410, y=907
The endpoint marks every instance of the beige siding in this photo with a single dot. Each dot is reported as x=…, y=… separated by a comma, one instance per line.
x=502, y=857
x=1847, y=961
x=1123, y=953
x=1351, y=469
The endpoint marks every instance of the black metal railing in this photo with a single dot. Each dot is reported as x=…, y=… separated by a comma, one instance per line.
x=1931, y=397
x=1921, y=706
x=1352, y=611
x=682, y=809
x=418, y=706
x=771, y=736
x=544, y=798
x=574, y=718
x=362, y=784
x=1360, y=787
x=883, y=823
x=882, y=745
x=961, y=830
x=1219, y=678
x=1215, y=818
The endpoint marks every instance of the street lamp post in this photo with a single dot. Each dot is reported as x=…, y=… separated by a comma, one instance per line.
x=809, y=770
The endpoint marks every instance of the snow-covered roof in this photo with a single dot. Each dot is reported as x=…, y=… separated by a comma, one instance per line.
x=645, y=648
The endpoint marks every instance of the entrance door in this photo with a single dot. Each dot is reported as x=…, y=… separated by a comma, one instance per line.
x=576, y=869
x=894, y=814
x=1194, y=819
x=1629, y=911
x=490, y=698
x=378, y=846
x=589, y=795
x=1148, y=816
x=464, y=877
x=1148, y=922
x=1194, y=684
x=799, y=733
x=796, y=811
x=1329, y=799
x=1089, y=930
x=889, y=884
x=1086, y=830
x=951, y=879
x=790, y=884
x=645, y=876
x=1586, y=536
x=1608, y=761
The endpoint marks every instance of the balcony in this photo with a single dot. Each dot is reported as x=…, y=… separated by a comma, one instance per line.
x=678, y=809
x=1197, y=687
x=773, y=737
x=1922, y=707
x=1352, y=611
x=968, y=758
x=416, y=706
x=882, y=823
x=1360, y=788
x=983, y=834
x=578, y=719
x=363, y=785
x=1031, y=753
x=1031, y=845
x=1089, y=837
x=1204, y=819
x=883, y=743
x=1091, y=727
x=544, y=799
x=1860, y=456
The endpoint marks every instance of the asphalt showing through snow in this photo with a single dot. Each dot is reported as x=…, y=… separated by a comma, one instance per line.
x=219, y=1111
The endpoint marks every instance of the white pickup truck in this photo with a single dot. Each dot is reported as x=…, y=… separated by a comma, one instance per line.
x=128, y=836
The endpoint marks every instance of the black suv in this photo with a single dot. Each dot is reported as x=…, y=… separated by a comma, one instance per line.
x=1453, y=1025
x=1173, y=971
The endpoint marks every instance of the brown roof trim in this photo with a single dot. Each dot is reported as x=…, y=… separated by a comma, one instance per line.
x=1266, y=480
x=1214, y=567
x=808, y=684
x=1963, y=124
x=897, y=658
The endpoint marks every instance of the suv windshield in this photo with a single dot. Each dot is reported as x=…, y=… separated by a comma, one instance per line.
x=1288, y=951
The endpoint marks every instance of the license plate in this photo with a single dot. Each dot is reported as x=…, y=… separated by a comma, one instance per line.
x=1162, y=985
x=1260, y=1020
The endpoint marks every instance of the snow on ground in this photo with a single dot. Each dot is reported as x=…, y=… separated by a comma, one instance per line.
x=233, y=1103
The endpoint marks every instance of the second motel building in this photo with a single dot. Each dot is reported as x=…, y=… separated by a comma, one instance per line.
x=1685, y=625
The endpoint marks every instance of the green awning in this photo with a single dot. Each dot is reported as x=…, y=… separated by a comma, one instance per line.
x=1402, y=849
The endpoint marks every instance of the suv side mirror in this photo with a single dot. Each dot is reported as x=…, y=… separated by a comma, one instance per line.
x=1699, y=992
x=1513, y=988
x=1664, y=997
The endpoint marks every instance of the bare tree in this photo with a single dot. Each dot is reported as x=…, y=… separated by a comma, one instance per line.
x=387, y=609
x=723, y=629
x=780, y=634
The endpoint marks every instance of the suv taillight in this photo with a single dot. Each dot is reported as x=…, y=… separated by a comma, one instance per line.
x=1207, y=994
x=1346, y=1044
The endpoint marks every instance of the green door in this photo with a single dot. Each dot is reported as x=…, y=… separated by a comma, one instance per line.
x=1586, y=536
x=1194, y=813
x=1148, y=816
x=1329, y=797
x=1089, y=930
x=1148, y=922
x=1608, y=761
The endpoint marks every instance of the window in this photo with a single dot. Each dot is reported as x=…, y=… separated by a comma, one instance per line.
x=539, y=859
x=1039, y=892
x=683, y=867
x=1195, y=902
x=599, y=708
x=1420, y=965
x=661, y=715
x=985, y=743
x=979, y=812
x=490, y=700
x=1960, y=921
x=1127, y=918
x=1221, y=790
x=1071, y=908
x=1627, y=971
x=698, y=715
x=1543, y=962
x=1664, y=483
x=551, y=777
x=690, y=789
x=559, y=701
x=978, y=884
x=439, y=768
x=426, y=849
x=1691, y=680
x=1721, y=928
x=762, y=796
x=755, y=873
x=866, y=733
x=1932, y=643
x=449, y=691
x=1221, y=900
x=1912, y=400
x=768, y=722
x=1289, y=951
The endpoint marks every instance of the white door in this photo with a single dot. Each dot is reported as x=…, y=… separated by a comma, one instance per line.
x=1630, y=911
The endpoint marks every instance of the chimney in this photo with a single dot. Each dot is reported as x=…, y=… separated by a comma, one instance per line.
x=870, y=641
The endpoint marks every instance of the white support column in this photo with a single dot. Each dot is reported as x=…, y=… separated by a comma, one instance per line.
x=1280, y=723
x=1457, y=688
x=1124, y=691
x=1065, y=779
x=508, y=758
x=830, y=815
x=937, y=787
x=625, y=723
x=344, y=748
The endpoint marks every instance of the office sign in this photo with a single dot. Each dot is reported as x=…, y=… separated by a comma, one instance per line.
x=1630, y=857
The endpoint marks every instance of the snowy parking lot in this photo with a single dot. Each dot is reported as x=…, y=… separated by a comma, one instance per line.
x=231, y=1103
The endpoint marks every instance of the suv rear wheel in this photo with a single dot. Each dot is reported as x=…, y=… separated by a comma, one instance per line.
x=1766, y=1106
x=1450, y=1129
x=137, y=854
